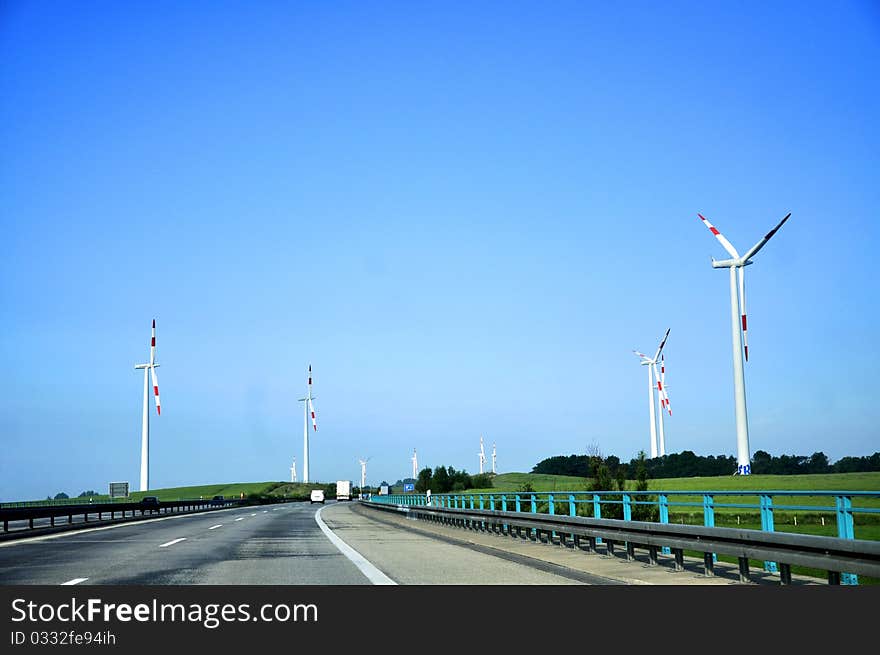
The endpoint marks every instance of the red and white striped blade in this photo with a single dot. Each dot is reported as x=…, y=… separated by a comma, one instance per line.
x=153, y=344
x=662, y=343
x=312, y=412
x=767, y=237
x=661, y=388
x=642, y=355
x=155, y=389
x=724, y=242
x=742, y=309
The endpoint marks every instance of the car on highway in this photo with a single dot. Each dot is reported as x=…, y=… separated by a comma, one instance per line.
x=217, y=500
x=317, y=496
x=150, y=501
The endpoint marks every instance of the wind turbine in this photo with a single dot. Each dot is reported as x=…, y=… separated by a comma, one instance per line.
x=651, y=363
x=662, y=402
x=293, y=471
x=739, y=331
x=415, y=463
x=308, y=408
x=482, y=454
x=363, y=463
x=493, y=457
x=145, y=430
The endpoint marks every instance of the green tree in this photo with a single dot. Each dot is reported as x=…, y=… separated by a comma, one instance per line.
x=424, y=481
x=61, y=496
x=643, y=512
x=441, y=482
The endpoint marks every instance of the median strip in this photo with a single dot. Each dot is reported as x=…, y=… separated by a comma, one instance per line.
x=172, y=542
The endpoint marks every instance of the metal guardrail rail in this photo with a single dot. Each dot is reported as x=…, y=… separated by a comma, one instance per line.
x=111, y=511
x=832, y=554
x=842, y=505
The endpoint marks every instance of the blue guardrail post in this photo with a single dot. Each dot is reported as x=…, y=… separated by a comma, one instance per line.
x=663, y=500
x=767, y=525
x=597, y=512
x=709, y=516
x=845, y=530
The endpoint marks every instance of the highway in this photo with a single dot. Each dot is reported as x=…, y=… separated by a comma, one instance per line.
x=305, y=544
x=263, y=545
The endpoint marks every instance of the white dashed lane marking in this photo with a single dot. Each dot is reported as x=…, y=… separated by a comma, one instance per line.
x=172, y=542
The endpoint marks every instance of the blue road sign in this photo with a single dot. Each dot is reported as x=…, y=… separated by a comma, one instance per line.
x=409, y=486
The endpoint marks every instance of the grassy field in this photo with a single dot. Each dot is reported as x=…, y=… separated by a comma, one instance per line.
x=824, y=482
x=812, y=512
x=290, y=490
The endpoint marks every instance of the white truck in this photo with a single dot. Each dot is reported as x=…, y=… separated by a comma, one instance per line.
x=343, y=490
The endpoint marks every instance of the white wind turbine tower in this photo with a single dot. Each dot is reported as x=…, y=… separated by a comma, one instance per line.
x=493, y=458
x=363, y=463
x=149, y=368
x=308, y=408
x=293, y=471
x=415, y=463
x=482, y=454
x=739, y=333
x=651, y=363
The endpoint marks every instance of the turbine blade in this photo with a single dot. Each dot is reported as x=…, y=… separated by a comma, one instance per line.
x=661, y=388
x=766, y=238
x=312, y=412
x=662, y=343
x=156, y=390
x=742, y=309
x=724, y=242
x=153, y=344
x=642, y=355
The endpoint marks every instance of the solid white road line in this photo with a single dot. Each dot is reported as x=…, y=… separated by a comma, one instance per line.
x=214, y=527
x=74, y=581
x=172, y=542
x=366, y=567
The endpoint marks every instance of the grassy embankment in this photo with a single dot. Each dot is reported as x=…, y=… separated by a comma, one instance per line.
x=806, y=520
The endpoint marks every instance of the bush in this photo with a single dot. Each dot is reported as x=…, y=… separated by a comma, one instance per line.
x=481, y=481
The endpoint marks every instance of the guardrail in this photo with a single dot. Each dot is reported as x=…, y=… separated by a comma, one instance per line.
x=656, y=505
x=122, y=510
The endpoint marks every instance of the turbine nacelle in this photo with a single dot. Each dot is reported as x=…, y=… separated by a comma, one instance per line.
x=731, y=263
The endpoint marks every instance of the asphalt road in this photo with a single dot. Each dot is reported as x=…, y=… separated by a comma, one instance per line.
x=274, y=545
x=305, y=544
x=279, y=544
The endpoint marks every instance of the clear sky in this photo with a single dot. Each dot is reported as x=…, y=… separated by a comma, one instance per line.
x=464, y=215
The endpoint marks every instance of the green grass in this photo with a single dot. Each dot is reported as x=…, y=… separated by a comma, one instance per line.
x=290, y=490
x=818, y=482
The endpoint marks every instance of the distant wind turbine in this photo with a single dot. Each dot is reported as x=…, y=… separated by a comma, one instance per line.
x=739, y=330
x=651, y=363
x=482, y=454
x=493, y=458
x=363, y=463
x=293, y=471
x=145, y=428
x=308, y=408
x=415, y=463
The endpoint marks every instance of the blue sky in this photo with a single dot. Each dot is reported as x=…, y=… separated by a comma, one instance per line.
x=464, y=215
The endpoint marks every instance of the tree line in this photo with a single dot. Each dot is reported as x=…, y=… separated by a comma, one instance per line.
x=445, y=479
x=687, y=464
